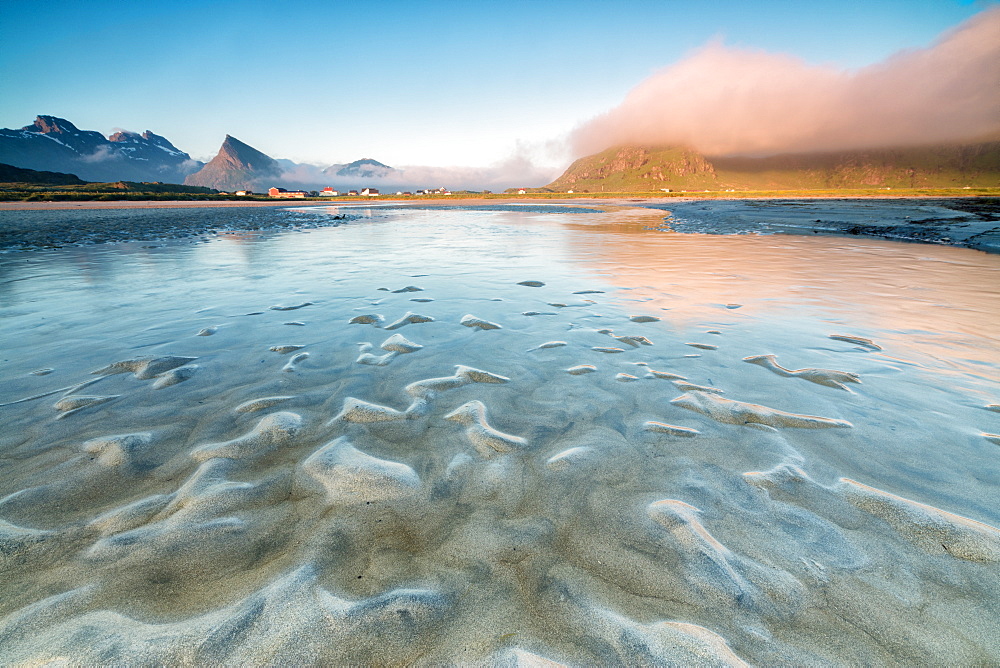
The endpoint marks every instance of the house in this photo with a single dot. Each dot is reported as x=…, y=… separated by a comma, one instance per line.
x=352, y=193
x=243, y=193
x=281, y=192
x=328, y=192
x=370, y=192
x=521, y=191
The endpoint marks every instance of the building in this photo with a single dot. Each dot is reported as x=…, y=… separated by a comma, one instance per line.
x=244, y=193
x=328, y=192
x=353, y=193
x=289, y=194
x=371, y=192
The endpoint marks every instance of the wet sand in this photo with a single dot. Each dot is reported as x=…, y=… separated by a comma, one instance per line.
x=500, y=438
x=972, y=222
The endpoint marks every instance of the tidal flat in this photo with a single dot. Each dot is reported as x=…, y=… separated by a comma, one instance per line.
x=519, y=436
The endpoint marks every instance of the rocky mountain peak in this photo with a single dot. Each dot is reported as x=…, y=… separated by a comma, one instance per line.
x=154, y=138
x=54, y=144
x=236, y=166
x=124, y=136
x=51, y=125
x=235, y=153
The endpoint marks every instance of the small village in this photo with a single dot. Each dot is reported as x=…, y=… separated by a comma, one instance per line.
x=330, y=192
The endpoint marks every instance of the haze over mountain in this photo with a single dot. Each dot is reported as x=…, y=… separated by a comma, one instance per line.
x=55, y=144
x=237, y=166
x=366, y=168
x=647, y=169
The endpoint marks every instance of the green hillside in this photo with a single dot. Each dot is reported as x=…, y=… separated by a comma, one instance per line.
x=648, y=169
x=39, y=190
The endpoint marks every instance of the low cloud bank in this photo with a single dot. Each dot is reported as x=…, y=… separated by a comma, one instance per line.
x=518, y=170
x=724, y=100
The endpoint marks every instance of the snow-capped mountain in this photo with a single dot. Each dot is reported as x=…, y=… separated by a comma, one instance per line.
x=55, y=144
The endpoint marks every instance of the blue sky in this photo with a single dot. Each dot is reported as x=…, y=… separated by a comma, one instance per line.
x=422, y=83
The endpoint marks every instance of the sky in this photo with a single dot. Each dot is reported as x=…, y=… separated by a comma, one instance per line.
x=440, y=84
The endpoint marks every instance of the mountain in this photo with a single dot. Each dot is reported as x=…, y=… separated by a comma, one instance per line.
x=55, y=144
x=647, y=169
x=366, y=168
x=237, y=166
x=12, y=174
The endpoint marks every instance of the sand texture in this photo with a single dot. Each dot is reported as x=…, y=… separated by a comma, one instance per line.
x=495, y=480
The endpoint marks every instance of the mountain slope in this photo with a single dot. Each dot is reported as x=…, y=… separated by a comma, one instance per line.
x=645, y=169
x=19, y=175
x=55, y=144
x=237, y=166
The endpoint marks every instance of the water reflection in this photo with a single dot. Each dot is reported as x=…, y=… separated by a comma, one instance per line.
x=943, y=300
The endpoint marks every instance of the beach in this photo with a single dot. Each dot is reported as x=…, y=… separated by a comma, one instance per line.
x=972, y=222
x=577, y=433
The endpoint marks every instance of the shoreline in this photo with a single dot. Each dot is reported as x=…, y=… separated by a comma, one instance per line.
x=465, y=201
x=970, y=221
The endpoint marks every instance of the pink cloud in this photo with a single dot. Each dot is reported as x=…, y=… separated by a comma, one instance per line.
x=724, y=100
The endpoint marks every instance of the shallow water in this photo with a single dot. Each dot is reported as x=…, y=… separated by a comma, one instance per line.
x=586, y=537
x=969, y=222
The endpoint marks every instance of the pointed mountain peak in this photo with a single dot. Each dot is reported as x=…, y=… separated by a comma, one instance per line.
x=243, y=156
x=237, y=165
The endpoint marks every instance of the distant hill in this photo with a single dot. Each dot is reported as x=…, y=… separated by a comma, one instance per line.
x=237, y=166
x=366, y=168
x=646, y=169
x=12, y=174
x=55, y=144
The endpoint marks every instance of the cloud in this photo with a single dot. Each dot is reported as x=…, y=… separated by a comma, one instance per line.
x=723, y=100
x=519, y=169
x=103, y=153
x=301, y=175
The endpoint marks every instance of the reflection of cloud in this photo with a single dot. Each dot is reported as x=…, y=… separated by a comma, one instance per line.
x=727, y=100
x=785, y=279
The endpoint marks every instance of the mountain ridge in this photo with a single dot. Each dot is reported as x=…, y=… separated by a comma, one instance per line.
x=55, y=144
x=649, y=168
